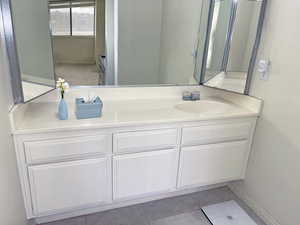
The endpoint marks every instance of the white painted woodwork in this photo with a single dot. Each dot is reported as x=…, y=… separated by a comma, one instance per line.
x=215, y=133
x=127, y=142
x=144, y=173
x=68, y=173
x=66, y=148
x=215, y=163
x=70, y=185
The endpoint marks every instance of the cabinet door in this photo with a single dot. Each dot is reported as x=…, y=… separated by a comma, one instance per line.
x=144, y=173
x=211, y=164
x=64, y=186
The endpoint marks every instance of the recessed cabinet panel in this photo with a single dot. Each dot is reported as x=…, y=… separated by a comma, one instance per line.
x=215, y=133
x=145, y=140
x=57, y=149
x=70, y=185
x=144, y=173
x=210, y=164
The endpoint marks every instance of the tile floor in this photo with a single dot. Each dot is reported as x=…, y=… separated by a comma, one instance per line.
x=182, y=210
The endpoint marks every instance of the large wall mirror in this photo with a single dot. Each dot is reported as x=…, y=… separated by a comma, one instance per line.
x=128, y=42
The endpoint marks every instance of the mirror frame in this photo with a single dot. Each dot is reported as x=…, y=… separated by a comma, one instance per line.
x=255, y=48
x=11, y=48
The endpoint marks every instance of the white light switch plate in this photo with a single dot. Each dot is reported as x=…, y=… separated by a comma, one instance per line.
x=227, y=213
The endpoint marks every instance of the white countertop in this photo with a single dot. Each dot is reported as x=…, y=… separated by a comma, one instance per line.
x=42, y=116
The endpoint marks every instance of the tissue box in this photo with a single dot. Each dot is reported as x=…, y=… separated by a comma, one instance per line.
x=86, y=110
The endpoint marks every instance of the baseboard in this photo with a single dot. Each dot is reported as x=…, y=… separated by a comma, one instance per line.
x=76, y=62
x=260, y=211
x=31, y=222
x=38, y=80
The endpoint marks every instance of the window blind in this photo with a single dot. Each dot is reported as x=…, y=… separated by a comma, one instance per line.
x=70, y=3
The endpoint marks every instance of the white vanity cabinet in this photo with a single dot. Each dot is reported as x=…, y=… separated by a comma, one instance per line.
x=145, y=140
x=145, y=162
x=57, y=149
x=70, y=172
x=144, y=173
x=64, y=172
x=215, y=153
x=70, y=185
x=214, y=163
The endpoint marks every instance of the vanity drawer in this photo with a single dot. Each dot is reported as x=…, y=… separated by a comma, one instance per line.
x=139, y=141
x=215, y=133
x=66, y=148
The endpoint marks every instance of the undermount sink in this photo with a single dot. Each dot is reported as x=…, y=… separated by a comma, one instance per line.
x=204, y=106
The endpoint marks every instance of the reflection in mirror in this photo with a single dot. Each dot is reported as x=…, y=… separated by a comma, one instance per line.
x=137, y=42
x=78, y=37
x=34, y=48
x=157, y=41
x=217, y=39
x=233, y=29
x=94, y=42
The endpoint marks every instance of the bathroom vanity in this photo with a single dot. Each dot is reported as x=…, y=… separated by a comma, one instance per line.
x=149, y=143
x=141, y=149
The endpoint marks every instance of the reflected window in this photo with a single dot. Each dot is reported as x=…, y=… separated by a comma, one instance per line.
x=83, y=21
x=60, y=21
x=72, y=18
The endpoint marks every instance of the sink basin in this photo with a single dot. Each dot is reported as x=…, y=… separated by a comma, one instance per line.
x=204, y=106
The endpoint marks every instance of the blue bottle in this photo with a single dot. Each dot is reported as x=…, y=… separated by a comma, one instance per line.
x=63, y=110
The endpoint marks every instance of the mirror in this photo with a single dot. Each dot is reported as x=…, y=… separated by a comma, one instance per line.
x=231, y=43
x=131, y=42
x=78, y=37
x=34, y=48
x=154, y=42
x=157, y=41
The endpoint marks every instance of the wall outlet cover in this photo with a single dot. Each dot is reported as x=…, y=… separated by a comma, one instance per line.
x=263, y=69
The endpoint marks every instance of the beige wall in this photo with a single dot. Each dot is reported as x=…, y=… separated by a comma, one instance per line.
x=139, y=41
x=100, y=28
x=156, y=41
x=272, y=183
x=31, y=27
x=11, y=204
x=74, y=49
x=180, y=24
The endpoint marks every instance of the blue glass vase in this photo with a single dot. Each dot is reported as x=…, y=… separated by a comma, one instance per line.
x=63, y=110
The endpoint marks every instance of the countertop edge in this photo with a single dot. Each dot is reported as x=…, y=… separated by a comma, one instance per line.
x=18, y=132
